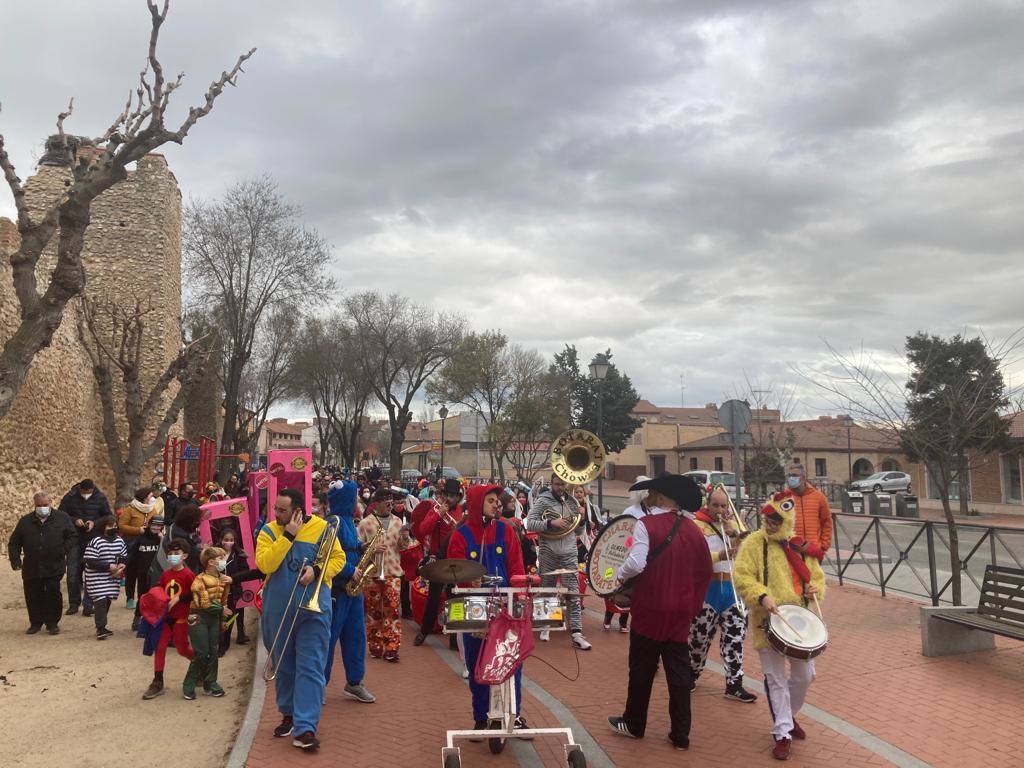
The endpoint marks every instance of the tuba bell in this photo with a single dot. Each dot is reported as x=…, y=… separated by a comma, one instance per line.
x=577, y=457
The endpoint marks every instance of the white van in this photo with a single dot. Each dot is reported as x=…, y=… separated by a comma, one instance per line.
x=706, y=477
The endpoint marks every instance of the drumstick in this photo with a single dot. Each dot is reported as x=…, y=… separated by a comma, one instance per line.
x=818, y=606
x=791, y=627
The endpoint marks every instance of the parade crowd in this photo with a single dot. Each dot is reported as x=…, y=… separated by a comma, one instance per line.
x=692, y=573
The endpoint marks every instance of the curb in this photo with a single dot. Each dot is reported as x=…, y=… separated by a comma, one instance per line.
x=250, y=723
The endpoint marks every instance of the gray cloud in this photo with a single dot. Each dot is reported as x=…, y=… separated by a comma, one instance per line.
x=706, y=187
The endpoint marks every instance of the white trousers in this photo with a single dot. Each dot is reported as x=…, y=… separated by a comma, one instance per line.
x=786, y=694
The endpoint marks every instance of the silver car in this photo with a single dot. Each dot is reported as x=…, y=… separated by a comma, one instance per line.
x=890, y=482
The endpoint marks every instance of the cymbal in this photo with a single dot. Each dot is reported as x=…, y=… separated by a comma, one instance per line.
x=452, y=571
x=561, y=572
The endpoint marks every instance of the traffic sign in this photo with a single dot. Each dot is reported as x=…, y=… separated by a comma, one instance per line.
x=735, y=416
x=189, y=452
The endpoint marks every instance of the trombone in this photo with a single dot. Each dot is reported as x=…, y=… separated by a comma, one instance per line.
x=307, y=602
x=740, y=532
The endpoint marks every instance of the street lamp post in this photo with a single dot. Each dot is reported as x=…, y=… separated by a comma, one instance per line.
x=443, y=413
x=599, y=369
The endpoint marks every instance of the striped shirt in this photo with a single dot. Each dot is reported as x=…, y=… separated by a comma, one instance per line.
x=100, y=583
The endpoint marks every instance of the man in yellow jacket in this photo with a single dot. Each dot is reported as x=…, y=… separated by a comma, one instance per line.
x=281, y=547
x=770, y=571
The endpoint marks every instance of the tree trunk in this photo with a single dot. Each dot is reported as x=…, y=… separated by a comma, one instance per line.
x=397, y=440
x=954, y=539
x=229, y=433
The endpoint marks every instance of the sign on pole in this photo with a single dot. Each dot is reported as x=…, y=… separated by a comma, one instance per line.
x=735, y=417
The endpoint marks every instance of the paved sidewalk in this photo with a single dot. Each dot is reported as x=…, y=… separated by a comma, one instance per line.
x=876, y=701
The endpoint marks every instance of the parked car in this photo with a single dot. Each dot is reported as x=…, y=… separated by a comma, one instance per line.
x=891, y=482
x=706, y=477
x=411, y=475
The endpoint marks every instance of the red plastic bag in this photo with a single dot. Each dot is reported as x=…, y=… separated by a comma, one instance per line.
x=509, y=641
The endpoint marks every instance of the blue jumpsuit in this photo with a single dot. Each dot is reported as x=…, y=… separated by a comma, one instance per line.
x=299, y=685
x=494, y=562
x=349, y=623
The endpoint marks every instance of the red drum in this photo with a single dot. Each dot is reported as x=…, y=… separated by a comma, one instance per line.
x=410, y=559
x=418, y=589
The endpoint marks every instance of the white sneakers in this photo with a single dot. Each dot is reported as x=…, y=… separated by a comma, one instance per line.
x=580, y=641
x=545, y=635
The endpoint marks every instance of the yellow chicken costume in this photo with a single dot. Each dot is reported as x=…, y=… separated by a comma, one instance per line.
x=790, y=571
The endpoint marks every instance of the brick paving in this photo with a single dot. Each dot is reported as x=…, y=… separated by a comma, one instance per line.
x=954, y=711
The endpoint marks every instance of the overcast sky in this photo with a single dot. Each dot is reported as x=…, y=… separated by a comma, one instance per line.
x=709, y=188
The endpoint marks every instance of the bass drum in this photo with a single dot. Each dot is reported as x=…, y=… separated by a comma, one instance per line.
x=608, y=553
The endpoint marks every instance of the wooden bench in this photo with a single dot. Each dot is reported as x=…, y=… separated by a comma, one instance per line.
x=1000, y=611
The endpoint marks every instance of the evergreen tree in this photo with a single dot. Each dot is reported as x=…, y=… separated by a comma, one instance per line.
x=618, y=398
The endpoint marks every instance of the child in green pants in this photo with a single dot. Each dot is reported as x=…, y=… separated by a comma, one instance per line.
x=209, y=608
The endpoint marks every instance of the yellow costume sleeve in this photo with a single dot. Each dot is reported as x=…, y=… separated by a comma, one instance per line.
x=817, y=578
x=271, y=548
x=334, y=563
x=747, y=576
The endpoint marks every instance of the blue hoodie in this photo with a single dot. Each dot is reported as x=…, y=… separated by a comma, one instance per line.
x=341, y=497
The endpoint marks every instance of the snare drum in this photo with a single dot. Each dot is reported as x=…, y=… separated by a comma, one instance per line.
x=466, y=613
x=548, y=612
x=810, y=638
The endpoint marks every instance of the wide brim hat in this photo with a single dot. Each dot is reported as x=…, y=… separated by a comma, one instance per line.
x=683, y=490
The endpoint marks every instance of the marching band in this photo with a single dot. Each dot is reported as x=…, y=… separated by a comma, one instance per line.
x=680, y=562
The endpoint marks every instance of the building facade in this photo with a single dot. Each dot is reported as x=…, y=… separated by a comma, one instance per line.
x=52, y=436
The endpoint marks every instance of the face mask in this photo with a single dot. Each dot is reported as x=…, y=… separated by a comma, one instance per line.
x=174, y=560
x=110, y=533
x=793, y=481
x=228, y=545
x=507, y=513
x=43, y=512
x=86, y=495
x=222, y=565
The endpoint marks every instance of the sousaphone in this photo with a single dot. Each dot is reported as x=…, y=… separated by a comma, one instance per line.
x=577, y=457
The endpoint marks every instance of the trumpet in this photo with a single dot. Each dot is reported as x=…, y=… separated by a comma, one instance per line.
x=306, y=602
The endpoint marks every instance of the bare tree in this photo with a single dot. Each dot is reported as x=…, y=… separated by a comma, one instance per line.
x=137, y=131
x=772, y=443
x=324, y=375
x=399, y=345
x=949, y=413
x=264, y=379
x=113, y=335
x=537, y=412
x=482, y=375
x=246, y=256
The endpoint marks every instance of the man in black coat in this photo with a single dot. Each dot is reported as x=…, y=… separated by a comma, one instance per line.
x=84, y=504
x=39, y=548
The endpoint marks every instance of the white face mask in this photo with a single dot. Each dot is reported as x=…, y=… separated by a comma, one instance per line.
x=87, y=495
x=43, y=512
x=174, y=560
x=222, y=565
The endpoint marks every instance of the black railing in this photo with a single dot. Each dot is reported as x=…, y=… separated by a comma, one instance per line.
x=913, y=556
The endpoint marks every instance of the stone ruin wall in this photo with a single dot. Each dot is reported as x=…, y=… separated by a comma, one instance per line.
x=51, y=437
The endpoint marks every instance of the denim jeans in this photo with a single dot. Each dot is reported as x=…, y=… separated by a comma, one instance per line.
x=76, y=566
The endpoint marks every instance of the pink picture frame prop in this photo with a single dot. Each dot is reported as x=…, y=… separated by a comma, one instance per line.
x=234, y=514
x=293, y=469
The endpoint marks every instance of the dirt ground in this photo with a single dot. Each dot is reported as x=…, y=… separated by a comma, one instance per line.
x=71, y=700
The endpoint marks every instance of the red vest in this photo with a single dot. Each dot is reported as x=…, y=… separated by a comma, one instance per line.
x=669, y=593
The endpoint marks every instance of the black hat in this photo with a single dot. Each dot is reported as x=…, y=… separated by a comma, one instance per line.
x=451, y=486
x=683, y=490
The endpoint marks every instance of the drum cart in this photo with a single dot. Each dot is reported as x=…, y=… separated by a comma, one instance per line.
x=502, y=714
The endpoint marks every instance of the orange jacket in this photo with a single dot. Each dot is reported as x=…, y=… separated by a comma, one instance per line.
x=813, y=517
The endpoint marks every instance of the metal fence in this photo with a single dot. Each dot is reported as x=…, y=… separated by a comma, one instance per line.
x=912, y=557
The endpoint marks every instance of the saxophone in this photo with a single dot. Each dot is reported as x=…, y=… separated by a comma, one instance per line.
x=367, y=565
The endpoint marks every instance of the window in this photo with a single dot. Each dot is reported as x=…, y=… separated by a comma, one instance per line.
x=693, y=463
x=820, y=470
x=1011, y=479
x=638, y=437
x=954, y=488
x=719, y=466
